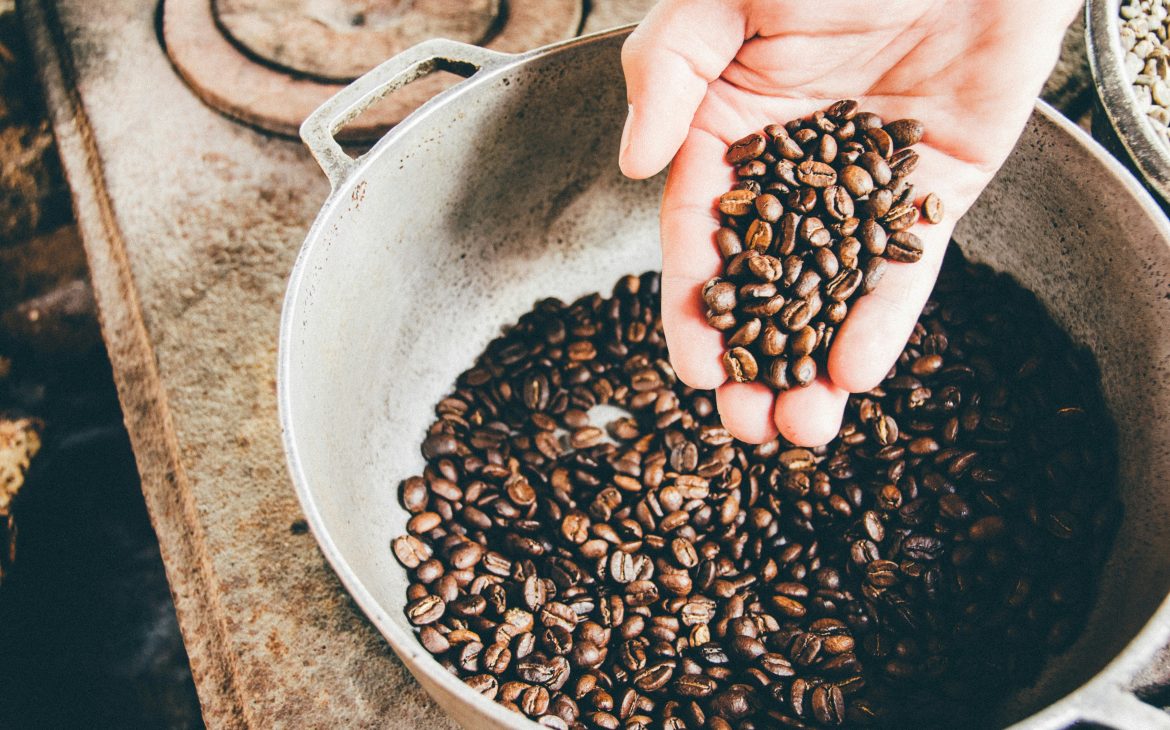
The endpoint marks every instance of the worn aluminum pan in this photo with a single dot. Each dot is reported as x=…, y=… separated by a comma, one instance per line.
x=505, y=189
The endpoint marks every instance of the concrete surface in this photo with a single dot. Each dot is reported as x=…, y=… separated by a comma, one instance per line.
x=191, y=223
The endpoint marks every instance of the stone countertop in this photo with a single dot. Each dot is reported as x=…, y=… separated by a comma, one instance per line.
x=191, y=224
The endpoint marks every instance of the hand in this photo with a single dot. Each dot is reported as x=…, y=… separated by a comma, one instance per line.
x=702, y=73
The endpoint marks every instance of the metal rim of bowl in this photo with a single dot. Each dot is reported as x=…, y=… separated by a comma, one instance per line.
x=1118, y=102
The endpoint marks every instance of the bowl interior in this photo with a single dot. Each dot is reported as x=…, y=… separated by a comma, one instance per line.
x=474, y=209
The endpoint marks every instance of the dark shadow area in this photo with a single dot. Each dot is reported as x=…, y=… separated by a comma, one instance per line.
x=87, y=625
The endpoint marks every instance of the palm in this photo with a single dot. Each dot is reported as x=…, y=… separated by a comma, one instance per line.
x=960, y=67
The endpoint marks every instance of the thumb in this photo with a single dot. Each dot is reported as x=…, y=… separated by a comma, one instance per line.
x=680, y=48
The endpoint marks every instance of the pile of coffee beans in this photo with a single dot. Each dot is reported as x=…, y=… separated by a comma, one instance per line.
x=652, y=572
x=820, y=207
x=1144, y=28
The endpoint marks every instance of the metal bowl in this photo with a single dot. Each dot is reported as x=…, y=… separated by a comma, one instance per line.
x=1128, y=133
x=505, y=189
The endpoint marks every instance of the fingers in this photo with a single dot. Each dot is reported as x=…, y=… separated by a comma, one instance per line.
x=746, y=410
x=811, y=416
x=690, y=258
x=878, y=325
x=669, y=60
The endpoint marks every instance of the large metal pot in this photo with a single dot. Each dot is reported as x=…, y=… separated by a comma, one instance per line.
x=505, y=189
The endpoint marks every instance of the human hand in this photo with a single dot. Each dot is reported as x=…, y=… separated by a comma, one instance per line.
x=701, y=74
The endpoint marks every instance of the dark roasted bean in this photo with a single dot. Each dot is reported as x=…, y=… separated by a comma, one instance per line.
x=904, y=247
x=905, y=132
x=693, y=581
x=748, y=148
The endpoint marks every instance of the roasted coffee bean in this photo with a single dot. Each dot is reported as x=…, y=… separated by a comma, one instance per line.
x=904, y=247
x=878, y=140
x=837, y=202
x=900, y=217
x=759, y=235
x=879, y=203
x=746, y=334
x=857, y=181
x=410, y=551
x=842, y=286
x=826, y=262
x=653, y=677
x=828, y=705
x=697, y=581
x=905, y=132
x=902, y=164
x=748, y=148
x=877, y=167
x=875, y=270
x=932, y=208
x=804, y=371
x=414, y=495
x=740, y=365
x=485, y=684
x=719, y=295
x=766, y=268
x=737, y=203
x=795, y=315
x=425, y=610
x=768, y=208
x=729, y=242
x=816, y=174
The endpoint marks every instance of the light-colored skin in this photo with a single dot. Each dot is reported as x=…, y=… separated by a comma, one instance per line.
x=702, y=73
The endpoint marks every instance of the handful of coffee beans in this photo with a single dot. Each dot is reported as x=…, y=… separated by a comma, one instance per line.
x=645, y=570
x=820, y=207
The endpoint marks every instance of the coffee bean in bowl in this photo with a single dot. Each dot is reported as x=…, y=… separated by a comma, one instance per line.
x=589, y=546
x=820, y=206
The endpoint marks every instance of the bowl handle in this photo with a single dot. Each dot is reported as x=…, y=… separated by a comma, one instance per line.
x=439, y=54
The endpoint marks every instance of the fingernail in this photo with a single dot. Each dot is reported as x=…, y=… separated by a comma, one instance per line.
x=625, y=144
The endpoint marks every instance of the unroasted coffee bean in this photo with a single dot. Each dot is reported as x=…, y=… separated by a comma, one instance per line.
x=671, y=576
